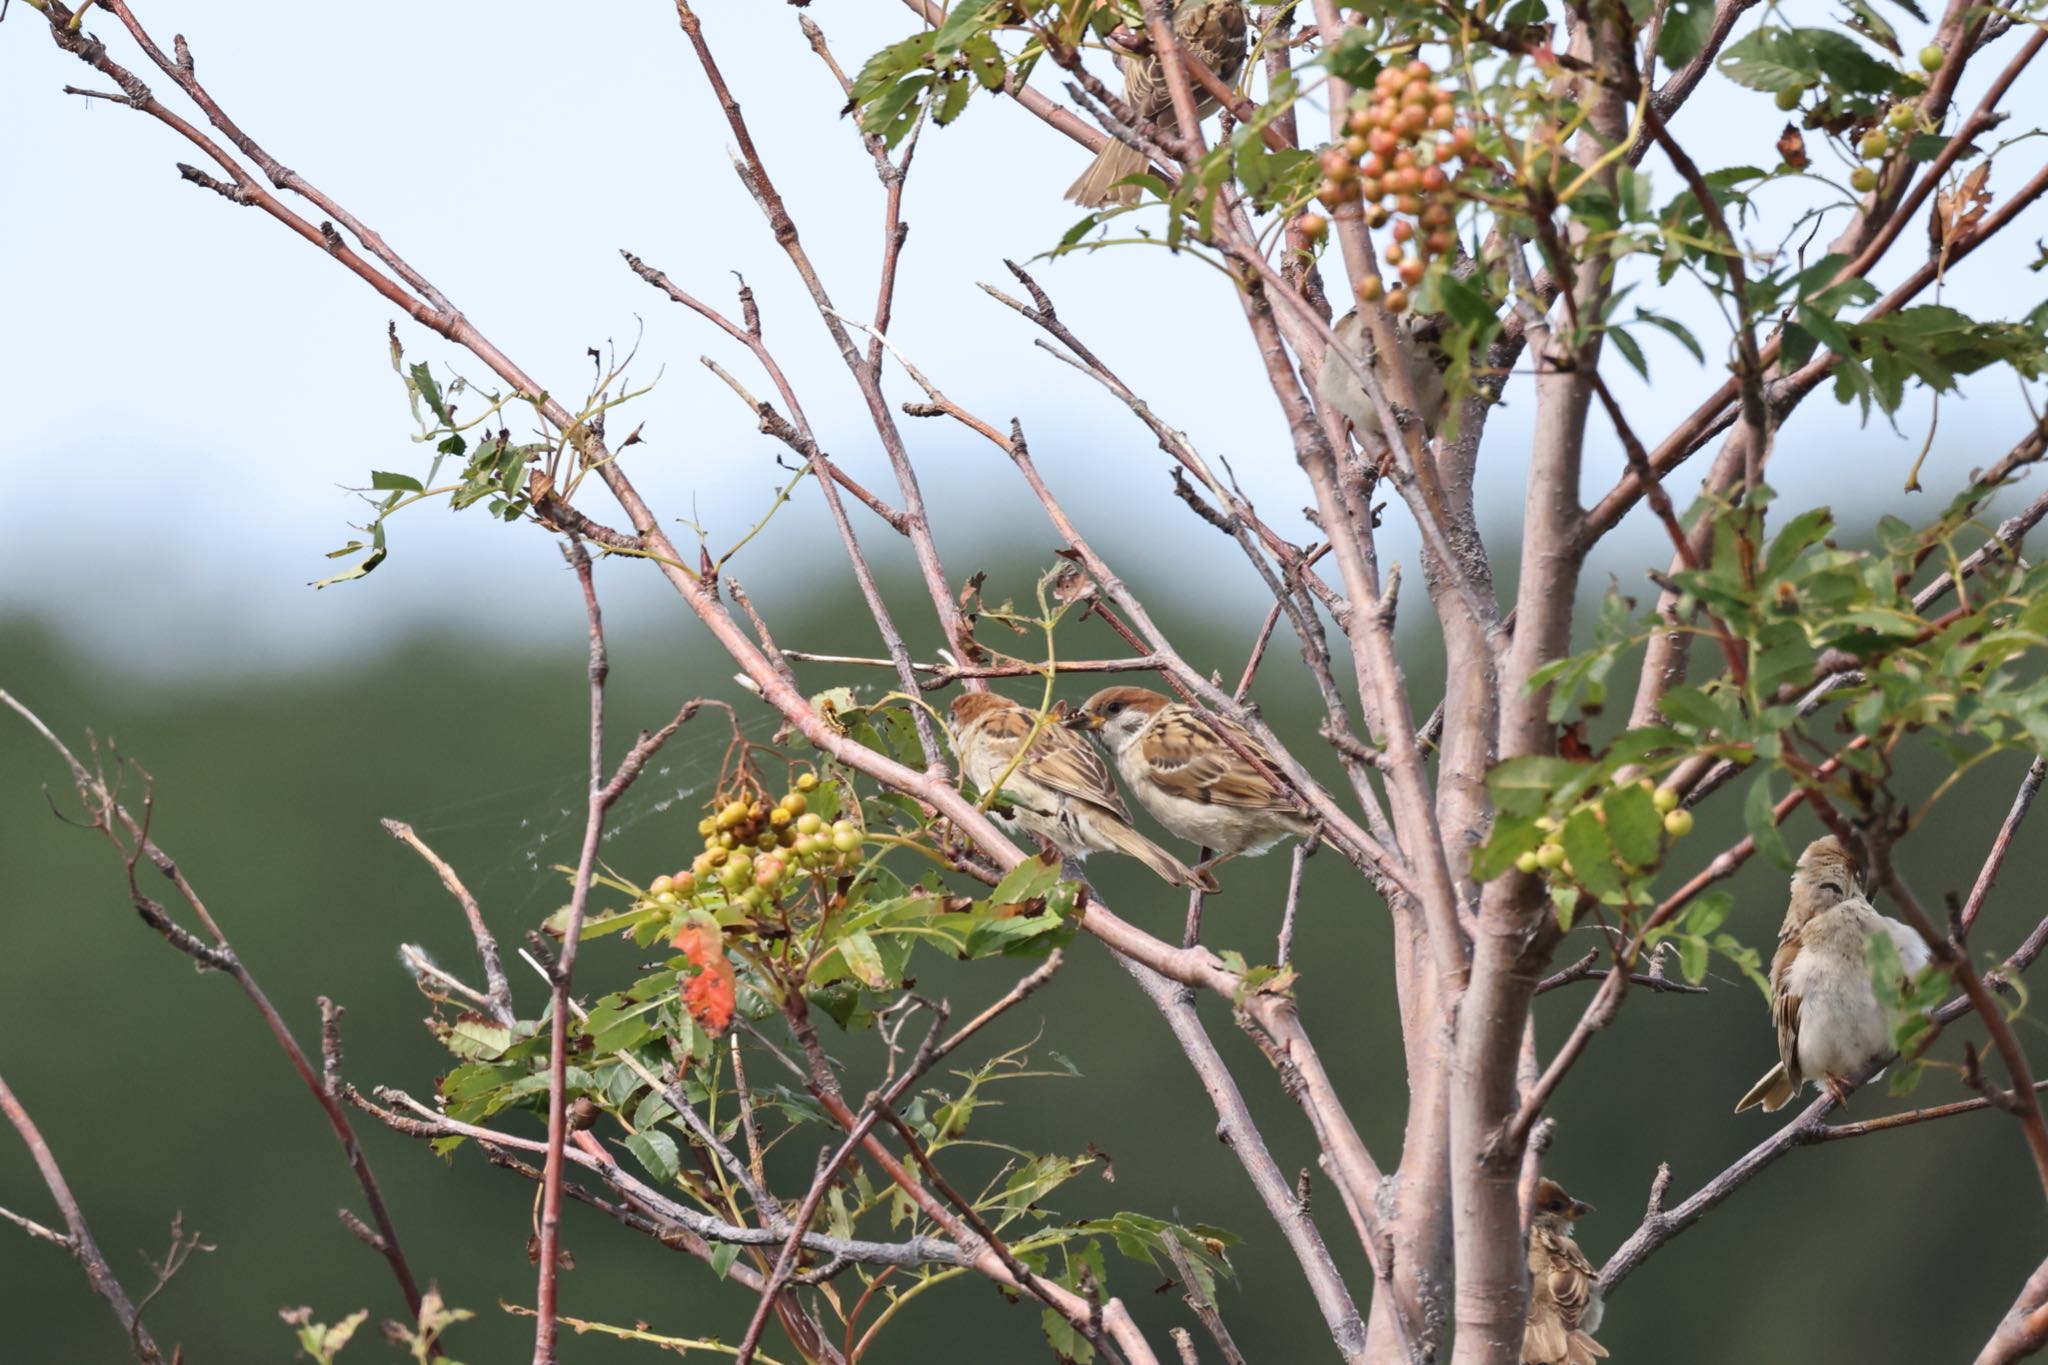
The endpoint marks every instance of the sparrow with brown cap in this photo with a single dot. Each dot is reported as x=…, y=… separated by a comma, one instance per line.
x=1831, y=1026
x=1199, y=784
x=1564, y=1290
x=1055, y=784
x=1214, y=31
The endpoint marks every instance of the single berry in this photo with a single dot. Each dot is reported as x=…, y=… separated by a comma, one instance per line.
x=1397, y=300
x=1678, y=823
x=1863, y=180
x=1527, y=863
x=1789, y=97
x=1932, y=56
x=1665, y=799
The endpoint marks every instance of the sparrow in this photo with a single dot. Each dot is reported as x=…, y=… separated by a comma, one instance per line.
x=1337, y=384
x=1830, y=1024
x=1177, y=763
x=1060, y=791
x=1564, y=1290
x=1213, y=30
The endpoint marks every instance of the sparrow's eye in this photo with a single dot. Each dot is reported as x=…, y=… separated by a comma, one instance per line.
x=1114, y=707
x=1553, y=1206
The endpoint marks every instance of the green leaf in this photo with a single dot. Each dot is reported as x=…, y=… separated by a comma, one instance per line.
x=423, y=380
x=722, y=1257
x=1028, y=880
x=1758, y=809
x=1705, y=914
x=863, y=960
x=1512, y=836
x=656, y=1151
x=1634, y=825
x=1687, y=26
x=1847, y=64
x=1523, y=786
x=385, y=481
x=1676, y=329
x=1693, y=954
x=1592, y=856
x=1770, y=59
x=1630, y=351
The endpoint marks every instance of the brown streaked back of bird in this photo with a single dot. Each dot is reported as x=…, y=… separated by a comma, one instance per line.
x=995, y=726
x=1188, y=760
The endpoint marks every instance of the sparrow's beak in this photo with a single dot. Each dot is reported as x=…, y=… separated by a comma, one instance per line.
x=1580, y=1208
x=1083, y=720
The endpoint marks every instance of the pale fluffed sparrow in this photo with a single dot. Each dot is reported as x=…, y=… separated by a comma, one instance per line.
x=1830, y=1024
x=1564, y=1290
x=1177, y=764
x=1060, y=790
x=1338, y=384
x=1212, y=29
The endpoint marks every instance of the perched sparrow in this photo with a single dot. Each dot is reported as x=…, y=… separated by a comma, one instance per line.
x=1564, y=1290
x=1830, y=1024
x=1214, y=30
x=1338, y=385
x=1181, y=769
x=1061, y=791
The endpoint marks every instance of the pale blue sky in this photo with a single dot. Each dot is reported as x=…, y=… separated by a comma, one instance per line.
x=193, y=387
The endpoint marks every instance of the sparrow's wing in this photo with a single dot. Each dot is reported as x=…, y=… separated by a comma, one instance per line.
x=1571, y=1280
x=1546, y=1337
x=1785, y=1008
x=1186, y=758
x=1066, y=763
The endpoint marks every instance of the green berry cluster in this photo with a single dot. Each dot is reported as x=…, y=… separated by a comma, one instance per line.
x=756, y=851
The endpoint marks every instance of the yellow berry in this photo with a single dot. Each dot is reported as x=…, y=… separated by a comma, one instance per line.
x=1527, y=863
x=1550, y=856
x=1665, y=799
x=1678, y=823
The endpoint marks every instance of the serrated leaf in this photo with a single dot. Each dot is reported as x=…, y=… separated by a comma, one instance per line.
x=1634, y=825
x=863, y=960
x=656, y=1151
x=1591, y=854
x=1028, y=880
x=430, y=392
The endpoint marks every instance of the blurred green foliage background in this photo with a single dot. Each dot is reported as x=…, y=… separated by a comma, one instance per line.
x=161, y=1094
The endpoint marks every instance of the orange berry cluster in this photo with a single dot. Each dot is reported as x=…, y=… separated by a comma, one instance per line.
x=1398, y=160
x=753, y=849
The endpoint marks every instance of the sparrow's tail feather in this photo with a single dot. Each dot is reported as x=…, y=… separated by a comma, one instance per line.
x=1773, y=1092
x=1171, y=869
x=1098, y=185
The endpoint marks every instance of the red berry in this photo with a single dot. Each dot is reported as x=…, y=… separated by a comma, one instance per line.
x=1411, y=272
x=1403, y=230
x=1312, y=226
x=1434, y=180
x=1369, y=288
x=1337, y=165
x=1397, y=300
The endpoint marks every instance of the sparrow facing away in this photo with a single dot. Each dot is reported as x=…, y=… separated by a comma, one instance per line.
x=1830, y=1024
x=1061, y=791
x=1564, y=1290
x=1174, y=760
x=1338, y=385
x=1212, y=29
